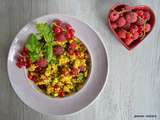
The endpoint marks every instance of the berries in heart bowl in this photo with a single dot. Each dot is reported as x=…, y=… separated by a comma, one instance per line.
x=131, y=24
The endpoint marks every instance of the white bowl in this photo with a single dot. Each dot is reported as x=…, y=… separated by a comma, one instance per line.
x=27, y=91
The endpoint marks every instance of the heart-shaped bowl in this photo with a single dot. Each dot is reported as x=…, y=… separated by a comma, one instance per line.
x=152, y=20
x=27, y=90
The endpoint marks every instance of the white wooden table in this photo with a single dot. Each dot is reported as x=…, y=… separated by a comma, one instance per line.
x=134, y=80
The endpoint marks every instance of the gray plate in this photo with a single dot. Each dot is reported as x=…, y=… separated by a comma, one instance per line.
x=28, y=92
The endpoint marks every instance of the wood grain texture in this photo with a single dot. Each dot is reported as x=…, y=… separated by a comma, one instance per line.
x=134, y=78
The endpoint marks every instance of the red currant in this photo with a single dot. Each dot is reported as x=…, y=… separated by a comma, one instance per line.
x=61, y=94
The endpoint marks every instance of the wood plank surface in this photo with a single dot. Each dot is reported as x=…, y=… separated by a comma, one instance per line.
x=133, y=86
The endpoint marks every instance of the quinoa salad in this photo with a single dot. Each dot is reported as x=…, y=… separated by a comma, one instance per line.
x=57, y=62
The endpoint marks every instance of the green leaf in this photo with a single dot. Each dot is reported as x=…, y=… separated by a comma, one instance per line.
x=54, y=60
x=34, y=47
x=45, y=31
x=33, y=44
x=34, y=56
x=48, y=52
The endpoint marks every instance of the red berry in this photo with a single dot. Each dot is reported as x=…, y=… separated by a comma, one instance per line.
x=147, y=15
x=122, y=33
x=60, y=37
x=128, y=35
x=114, y=16
x=114, y=25
x=74, y=71
x=57, y=30
x=131, y=17
x=128, y=41
x=24, y=51
x=38, y=69
x=78, y=53
x=133, y=28
x=58, y=50
x=140, y=13
x=61, y=94
x=121, y=22
x=73, y=46
x=34, y=78
x=128, y=18
x=147, y=27
x=28, y=63
x=57, y=22
x=140, y=21
x=42, y=63
x=69, y=36
x=19, y=65
x=127, y=26
x=30, y=76
x=71, y=52
x=71, y=31
x=140, y=30
x=135, y=35
x=67, y=26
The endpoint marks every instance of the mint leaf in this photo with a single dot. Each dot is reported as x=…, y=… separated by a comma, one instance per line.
x=54, y=60
x=48, y=52
x=34, y=47
x=34, y=56
x=33, y=44
x=45, y=31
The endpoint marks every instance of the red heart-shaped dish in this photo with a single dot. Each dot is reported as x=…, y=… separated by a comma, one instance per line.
x=131, y=24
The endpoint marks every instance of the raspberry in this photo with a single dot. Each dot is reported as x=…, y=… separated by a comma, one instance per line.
x=128, y=39
x=131, y=17
x=147, y=27
x=127, y=26
x=121, y=22
x=114, y=16
x=147, y=15
x=114, y=25
x=128, y=18
x=57, y=30
x=60, y=37
x=140, y=13
x=122, y=33
x=140, y=21
x=133, y=28
x=129, y=35
x=135, y=35
x=42, y=63
x=140, y=30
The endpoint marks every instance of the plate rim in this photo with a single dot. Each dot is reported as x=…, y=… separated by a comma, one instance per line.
x=103, y=44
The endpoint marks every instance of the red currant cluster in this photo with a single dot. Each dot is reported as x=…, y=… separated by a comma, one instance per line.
x=62, y=30
x=129, y=24
x=23, y=59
